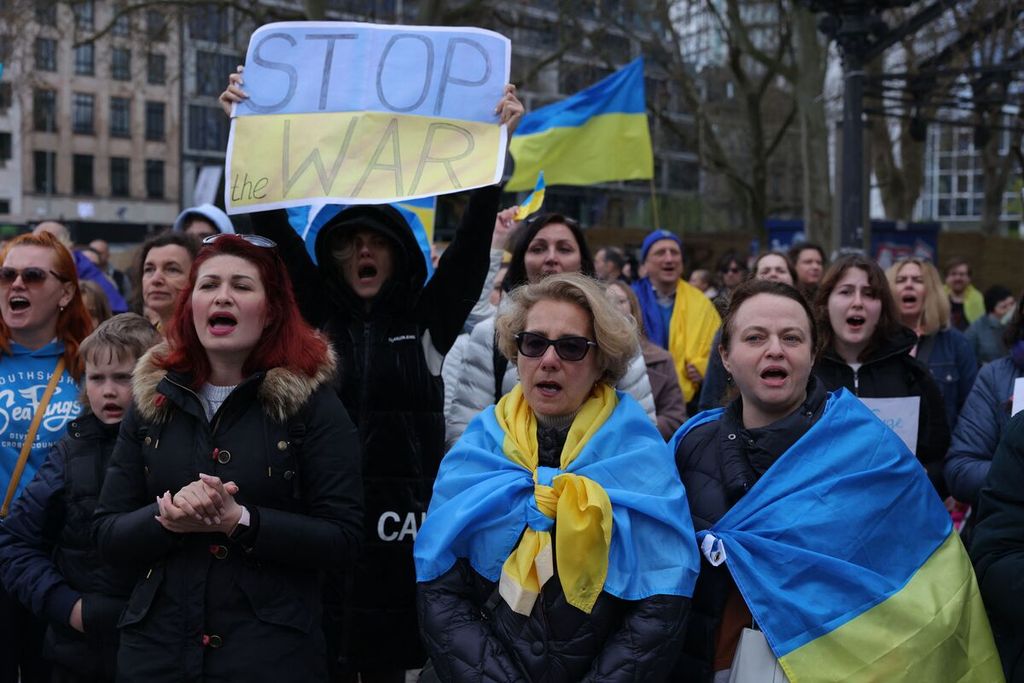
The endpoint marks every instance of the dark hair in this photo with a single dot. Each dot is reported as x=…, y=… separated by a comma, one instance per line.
x=794, y=251
x=164, y=239
x=954, y=262
x=780, y=254
x=889, y=324
x=1015, y=329
x=615, y=256
x=994, y=295
x=751, y=288
x=516, y=274
x=288, y=341
x=728, y=257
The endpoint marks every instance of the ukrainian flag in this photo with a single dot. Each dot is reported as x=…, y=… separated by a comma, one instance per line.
x=849, y=563
x=598, y=135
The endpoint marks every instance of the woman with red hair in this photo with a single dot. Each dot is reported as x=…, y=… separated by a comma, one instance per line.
x=253, y=465
x=42, y=322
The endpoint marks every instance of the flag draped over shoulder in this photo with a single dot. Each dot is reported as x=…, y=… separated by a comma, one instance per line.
x=848, y=561
x=597, y=135
x=495, y=507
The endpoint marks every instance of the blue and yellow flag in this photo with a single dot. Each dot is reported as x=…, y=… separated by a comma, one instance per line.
x=849, y=563
x=597, y=135
x=533, y=201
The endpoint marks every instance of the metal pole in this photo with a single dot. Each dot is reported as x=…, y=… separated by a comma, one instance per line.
x=851, y=234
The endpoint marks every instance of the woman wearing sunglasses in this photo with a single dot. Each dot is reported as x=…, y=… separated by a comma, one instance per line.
x=557, y=545
x=42, y=322
x=235, y=482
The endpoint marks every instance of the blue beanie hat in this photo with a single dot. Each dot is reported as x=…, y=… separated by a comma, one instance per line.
x=657, y=236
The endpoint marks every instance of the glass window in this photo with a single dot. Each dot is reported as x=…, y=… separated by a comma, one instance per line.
x=46, y=12
x=156, y=25
x=5, y=147
x=122, y=27
x=44, y=110
x=945, y=183
x=82, y=174
x=156, y=69
x=83, y=107
x=119, y=177
x=45, y=171
x=120, y=117
x=85, y=60
x=46, y=54
x=5, y=97
x=121, y=64
x=963, y=183
x=5, y=206
x=208, y=22
x=943, y=207
x=207, y=128
x=155, y=120
x=154, y=179
x=963, y=207
x=211, y=68
x=85, y=15
x=6, y=49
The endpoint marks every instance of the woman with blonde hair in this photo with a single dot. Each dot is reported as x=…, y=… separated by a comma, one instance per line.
x=557, y=546
x=924, y=308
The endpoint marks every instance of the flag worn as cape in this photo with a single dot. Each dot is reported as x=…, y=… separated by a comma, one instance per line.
x=848, y=561
x=598, y=135
x=483, y=501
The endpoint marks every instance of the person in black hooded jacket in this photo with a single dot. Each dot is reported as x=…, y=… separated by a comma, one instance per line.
x=391, y=329
x=867, y=350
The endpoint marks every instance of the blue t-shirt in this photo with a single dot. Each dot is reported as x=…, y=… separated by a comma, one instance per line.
x=23, y=378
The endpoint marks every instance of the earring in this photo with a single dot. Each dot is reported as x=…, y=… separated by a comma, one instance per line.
x=728, y=378
x=61, y=309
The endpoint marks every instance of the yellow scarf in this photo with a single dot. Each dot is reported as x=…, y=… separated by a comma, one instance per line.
x=579, y=506
x=691, y=330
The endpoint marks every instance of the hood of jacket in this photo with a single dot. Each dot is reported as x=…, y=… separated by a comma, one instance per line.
x=282, y=392
x=409, y=270
x=217, y=218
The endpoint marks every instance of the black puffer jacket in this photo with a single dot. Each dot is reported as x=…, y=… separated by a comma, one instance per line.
x=391, y=386
x=207, y=607
x=719, y=462
x=891, y=372
x=47, y=557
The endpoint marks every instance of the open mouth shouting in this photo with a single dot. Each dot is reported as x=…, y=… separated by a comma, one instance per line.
x=548, y=389
x=774, y=375
x=112, y=411
x=18, y=303
x=856, y=322
x=222, y=323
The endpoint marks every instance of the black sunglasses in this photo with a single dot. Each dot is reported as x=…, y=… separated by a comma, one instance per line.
x=30, y=276
x=568, y=348
x=254, y=240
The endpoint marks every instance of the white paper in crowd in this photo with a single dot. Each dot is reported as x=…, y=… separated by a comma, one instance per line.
x=900, y=415
x=1018, y=396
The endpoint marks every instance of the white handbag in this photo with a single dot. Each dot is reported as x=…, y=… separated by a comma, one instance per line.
x=754, y=661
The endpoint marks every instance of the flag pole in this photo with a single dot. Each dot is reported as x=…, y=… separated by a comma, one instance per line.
x=654, y=206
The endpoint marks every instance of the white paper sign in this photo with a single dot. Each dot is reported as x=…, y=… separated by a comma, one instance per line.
x=1018, y=396
x=901, y=415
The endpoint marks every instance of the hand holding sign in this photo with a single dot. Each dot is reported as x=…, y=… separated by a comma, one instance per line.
x=411, y=114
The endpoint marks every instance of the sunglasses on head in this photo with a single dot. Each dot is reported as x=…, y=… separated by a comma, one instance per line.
x=30, y=276
x=254, y=240
x=568, y=348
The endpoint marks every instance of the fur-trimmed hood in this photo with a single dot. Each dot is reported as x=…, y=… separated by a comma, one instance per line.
x=282, y=392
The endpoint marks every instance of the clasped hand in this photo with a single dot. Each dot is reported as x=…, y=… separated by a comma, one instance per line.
x=205, y=505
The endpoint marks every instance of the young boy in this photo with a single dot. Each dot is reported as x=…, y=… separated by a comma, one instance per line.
x=47, y=558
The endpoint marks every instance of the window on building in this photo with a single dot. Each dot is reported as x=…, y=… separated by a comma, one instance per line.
x=5, y=206
x=44, y=110
x=154, y=179
x=120, y=117
x=121, y=64
x=83, y=109
x=208, y=22
x=6, y=150
x=119, y=177
x=6, y=48
x=156, y=26
x=5, y=97
x=82, y=174
x=155, y=120
x=122, y=27
x=156, y=69
x=210, y=70
x=46, y=54
x=85, y=60
x=46, y=12
x=207, y=128
x=45, y=170
x=85, y=15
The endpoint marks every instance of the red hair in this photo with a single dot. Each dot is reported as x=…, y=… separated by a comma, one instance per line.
x=288, y=341
x=73, y=322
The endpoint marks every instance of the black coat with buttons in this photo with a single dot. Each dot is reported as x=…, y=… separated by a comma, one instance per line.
x=48, y=560
x=719, y=462
x=247, y=608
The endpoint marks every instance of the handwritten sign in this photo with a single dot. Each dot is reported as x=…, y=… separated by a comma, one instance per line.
x=362, y=113
x=901, y=415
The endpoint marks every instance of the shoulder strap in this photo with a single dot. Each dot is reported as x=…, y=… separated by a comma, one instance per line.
x=26, y=447
x=500, y=366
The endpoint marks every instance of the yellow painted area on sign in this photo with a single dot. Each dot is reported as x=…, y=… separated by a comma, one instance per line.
x=365, y=156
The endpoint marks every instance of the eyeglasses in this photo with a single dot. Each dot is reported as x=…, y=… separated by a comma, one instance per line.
x=30, y=276
x=254, y=240
x=568, y=348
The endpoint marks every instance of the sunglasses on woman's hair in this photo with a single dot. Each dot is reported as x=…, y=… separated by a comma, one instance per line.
x=568, y=348
x=254, y=240
x=30, y=276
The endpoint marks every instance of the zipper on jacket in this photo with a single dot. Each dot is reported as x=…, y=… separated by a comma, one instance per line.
x=856, y=381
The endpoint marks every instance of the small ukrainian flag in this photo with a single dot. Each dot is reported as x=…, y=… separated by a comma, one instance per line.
x=532, y=203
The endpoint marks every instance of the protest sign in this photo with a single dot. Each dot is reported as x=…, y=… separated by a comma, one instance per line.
x=1018, y=396
x=362, y=113
x=900, y=415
